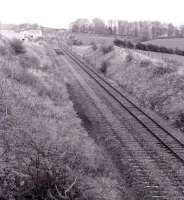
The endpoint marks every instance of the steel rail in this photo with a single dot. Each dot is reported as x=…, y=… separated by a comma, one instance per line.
x=101, y=80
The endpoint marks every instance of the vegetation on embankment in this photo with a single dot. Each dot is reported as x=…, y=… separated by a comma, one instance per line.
x=45, y=153
x=157, y=84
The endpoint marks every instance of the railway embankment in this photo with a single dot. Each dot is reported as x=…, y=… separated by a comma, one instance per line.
x=45, y=153
x=156, y=83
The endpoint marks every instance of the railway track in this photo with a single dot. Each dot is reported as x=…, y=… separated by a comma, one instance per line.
x=170, y=141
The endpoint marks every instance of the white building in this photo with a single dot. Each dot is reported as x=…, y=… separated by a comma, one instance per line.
x=31, y=34
x=9, y=34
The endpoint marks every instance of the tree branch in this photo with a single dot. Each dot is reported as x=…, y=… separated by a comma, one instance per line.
x=70, y=187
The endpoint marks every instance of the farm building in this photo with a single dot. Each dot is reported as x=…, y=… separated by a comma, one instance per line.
x=31, y=34
x=9, y=34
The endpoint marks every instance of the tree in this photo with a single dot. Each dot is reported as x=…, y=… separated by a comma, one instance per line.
x=99, y=26
x=171, y=30
x=182, y=30
x=80, y=25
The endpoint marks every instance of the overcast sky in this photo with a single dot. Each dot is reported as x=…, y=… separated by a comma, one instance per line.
x=59, y=13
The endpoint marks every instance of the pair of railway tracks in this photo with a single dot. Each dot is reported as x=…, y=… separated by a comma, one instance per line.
x=172, y=142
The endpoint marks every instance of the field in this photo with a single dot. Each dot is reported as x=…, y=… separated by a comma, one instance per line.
x=89, y=38
x=161, y=56
x=169, y=43
x=155, y=82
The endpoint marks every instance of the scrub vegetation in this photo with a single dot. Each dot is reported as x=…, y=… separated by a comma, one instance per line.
x=45, y=153
x=156, y=83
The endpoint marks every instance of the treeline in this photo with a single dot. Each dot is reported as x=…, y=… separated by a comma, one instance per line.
x=147, y=47
x=142, y=30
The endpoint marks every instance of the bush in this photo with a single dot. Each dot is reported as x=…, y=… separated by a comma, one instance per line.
x=94, y=46
x=163, y=50
x=179, y=52
x=147, y=47
x=104, y=66
x=171, y=51
x=129, y=45
x=17, y=46
x=107, y=49
x=77, y=42
x=159, y=71
x=151, y=47
x=3, y=50
x=145, y=63
x=29, y=61
x=179, y=122
x=22, y=75
x=124, y=43
x=166, y=50
x=119, y=43
x=141, y=46
x=26, y=77
x=129, y=57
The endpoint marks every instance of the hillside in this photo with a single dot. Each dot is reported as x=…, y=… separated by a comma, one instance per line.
x=157, y=84
x=45, y=152
x=169, y=42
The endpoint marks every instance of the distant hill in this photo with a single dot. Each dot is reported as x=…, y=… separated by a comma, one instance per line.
x=19, y=27
x=168, y=42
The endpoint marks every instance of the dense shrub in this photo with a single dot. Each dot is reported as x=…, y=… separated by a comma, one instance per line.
x=106, y=49
x=147, y=47
x=17, y=46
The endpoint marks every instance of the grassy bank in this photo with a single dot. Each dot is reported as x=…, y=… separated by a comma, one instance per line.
x=157, y=84
x=45, y=153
